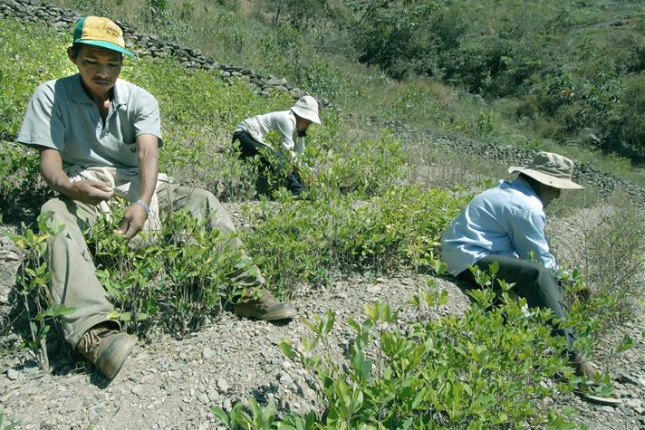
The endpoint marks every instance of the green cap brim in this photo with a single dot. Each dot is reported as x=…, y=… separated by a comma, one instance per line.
x=107, y=45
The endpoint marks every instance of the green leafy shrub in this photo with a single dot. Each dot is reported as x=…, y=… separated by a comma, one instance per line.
x=296, y=241
x=408, y=39
x=365, y=167
x=32, y=286
x=320, y=77
x=482, y=370
x=22, y=191
x=24, y=66
x=623, y=129
x=174, y=281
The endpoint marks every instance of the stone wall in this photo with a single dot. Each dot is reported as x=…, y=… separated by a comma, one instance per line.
x=145, y=45
x=586, y=173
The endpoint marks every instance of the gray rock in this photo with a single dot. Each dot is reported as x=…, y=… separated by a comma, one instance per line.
x=222, y=385
x=209, y=353
x=13, y=374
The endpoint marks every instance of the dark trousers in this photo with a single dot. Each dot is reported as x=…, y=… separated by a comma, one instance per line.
x=533, y=282
x=250, y=147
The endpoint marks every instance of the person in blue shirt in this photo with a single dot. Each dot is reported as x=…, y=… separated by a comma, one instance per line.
x=505, y=225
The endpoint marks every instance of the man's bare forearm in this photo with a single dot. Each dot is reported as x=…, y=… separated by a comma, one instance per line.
x=148, y=166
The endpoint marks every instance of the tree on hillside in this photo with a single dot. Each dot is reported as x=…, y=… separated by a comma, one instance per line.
x=624, y=130
x=408, y=37
x=299, y=13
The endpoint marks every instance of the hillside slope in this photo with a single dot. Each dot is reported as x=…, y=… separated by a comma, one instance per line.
x=172, y=383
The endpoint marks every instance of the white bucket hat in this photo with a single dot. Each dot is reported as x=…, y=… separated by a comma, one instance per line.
x=550, y=169
x=307, y=107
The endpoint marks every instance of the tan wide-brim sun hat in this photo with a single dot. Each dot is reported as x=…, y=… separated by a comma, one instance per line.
x=307, y=107
x=550, y=169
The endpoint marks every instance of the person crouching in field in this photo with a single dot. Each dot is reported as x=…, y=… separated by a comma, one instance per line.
x=505, y=226
x=99, y=138
x=292, y=126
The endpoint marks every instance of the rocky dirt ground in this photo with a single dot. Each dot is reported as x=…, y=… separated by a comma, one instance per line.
x=171, y=384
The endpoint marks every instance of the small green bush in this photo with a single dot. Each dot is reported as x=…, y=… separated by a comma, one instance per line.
x=297, y=241
x=481, y=370
x=24, y=66
x=176, y=281
x=32, y=286
x=364, y=168
x=624, y=127
x=22, y=191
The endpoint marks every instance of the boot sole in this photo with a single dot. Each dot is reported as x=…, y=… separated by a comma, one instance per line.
x=282, y=314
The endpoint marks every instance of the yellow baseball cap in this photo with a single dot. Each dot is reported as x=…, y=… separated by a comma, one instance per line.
x=102, y=32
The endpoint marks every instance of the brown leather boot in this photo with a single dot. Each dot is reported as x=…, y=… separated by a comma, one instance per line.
x=106, y=348
x=264, y=306
x=589, y=370
x=584, y=367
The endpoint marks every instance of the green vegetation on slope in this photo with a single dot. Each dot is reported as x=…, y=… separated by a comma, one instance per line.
x=390, y=229
x=568, y=72
x=367, y=217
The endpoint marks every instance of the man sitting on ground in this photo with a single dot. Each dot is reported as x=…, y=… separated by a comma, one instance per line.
x=98, y=138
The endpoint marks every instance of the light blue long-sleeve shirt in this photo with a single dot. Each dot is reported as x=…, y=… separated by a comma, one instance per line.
x=506, y=220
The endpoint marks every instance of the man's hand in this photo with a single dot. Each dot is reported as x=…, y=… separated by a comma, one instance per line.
x=133, y=220
x=89, y=191
x=135, y=216
x=86, y=191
